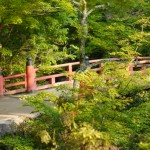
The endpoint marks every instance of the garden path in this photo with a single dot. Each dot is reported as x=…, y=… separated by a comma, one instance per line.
x=12, y=111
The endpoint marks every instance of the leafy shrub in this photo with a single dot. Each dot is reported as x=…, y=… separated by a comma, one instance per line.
x=110, y=111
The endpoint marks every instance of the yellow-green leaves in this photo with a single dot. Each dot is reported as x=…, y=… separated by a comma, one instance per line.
x=14, y=20
x=5, y=52
x=144, y=22
x=45, y=137
x=144, y=145
x=66, y=6
x=89, y=138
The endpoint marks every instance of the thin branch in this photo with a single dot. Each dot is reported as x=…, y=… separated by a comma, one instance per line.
x=91, y=10
x=75, y=3
x=84, y=2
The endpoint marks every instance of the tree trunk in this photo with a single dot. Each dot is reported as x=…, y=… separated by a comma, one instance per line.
x=84, y=33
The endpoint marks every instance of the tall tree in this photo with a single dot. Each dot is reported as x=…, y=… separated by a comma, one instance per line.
x=106, y=10
x=36, y=29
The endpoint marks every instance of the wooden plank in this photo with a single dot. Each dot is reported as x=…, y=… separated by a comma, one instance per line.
x=142, y=58
x=15, y=76
x=15, y=91
x=67, y=64
x=43, y=87
x=52, y=81
x=49, y=77
x=143, y=62
x=109, y=59
x=15, y=84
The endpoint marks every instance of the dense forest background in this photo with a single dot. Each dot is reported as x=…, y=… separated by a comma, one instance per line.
x=53, y=31
x=110, y=111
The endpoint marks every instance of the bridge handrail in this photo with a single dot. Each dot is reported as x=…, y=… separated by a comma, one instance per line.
x=15, y=76
x=30, y=78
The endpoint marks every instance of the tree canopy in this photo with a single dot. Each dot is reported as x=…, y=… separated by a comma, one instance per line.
x=70, y=29
x=110, y=111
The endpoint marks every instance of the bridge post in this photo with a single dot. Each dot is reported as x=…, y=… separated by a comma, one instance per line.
x=1, y=84
x=69, y=69
x=100, y=66
x=131, y=71
x=30, y=76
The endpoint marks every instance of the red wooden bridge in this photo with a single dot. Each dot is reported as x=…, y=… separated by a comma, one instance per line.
x=29, y=79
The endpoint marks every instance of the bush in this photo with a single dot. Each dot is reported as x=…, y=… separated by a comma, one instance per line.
x=110, y=111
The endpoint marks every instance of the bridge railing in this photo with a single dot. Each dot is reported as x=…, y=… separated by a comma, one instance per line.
x=18, y=76
x=27, y=82
x=66, y=72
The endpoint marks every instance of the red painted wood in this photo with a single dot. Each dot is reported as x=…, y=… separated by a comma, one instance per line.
x=69, y=70
x=15, y=76
x=143, y=61
x=100, y=66
x=143, y=58
x=15, y=84
x=15, y=91
x=36, y=69
x=49, y=77
x=52, y=80
x=67, y=64
x=30, y=78
x=1, y=85
x=43, y=87
x=131, y=71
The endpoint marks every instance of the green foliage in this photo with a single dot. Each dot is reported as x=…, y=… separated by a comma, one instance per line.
x=33, y=29
x=108, y=111
x=118, y=37
x=53, y=29
x=17, y=143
